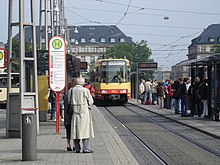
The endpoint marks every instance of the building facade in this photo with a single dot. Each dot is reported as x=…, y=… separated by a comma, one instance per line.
x=202, y=46
x=91, y=42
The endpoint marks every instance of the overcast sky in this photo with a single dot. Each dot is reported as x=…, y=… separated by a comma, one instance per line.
x=142, y=20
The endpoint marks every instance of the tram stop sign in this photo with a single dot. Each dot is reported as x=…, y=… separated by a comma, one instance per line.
x=57, y=63
x=3, y=58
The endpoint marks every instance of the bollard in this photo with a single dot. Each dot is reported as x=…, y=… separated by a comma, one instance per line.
x=29, y=137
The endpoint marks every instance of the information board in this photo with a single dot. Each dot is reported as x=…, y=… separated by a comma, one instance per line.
x=147, y=65
x=57, y=63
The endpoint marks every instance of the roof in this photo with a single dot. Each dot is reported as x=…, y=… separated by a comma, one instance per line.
x=211, y=35
x=86, y=32
x=214, y=58
x=98, y=32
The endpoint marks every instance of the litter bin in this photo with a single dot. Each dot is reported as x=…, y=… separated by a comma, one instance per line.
x=29, y=137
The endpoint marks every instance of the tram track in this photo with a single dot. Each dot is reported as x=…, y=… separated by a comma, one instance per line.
x=180, y=135
x=140, y=113
x=140, y=140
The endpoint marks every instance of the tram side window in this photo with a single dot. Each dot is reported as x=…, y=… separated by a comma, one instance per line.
x=3, y=82
x=127, y=75
x=14, y=80
x=97, y=76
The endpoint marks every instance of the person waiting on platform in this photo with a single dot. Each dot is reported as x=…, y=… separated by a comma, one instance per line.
x=81, y=123
x=90, y=88
x=52, y=100
x=203, y=90
x=142, y=90
x=148, y=91
x=68, y=115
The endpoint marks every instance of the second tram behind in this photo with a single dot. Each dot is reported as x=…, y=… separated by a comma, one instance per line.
x=111, y=80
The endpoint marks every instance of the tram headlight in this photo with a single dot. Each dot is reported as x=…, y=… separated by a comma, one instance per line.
x=123, y=91
x=104, y=91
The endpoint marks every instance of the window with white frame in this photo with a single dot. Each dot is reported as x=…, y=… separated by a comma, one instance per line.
x=102, y=39
x=112, y=39
x=92, y=50
x=82, y=40
x=92, y=39
x=83, y=58
x=122, y=40
x=72, y=40
x=212, y=39
x=203, y=49
x=83, y=50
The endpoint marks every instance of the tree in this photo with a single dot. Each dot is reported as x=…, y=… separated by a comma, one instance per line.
x=216, y=49
x=15, y=52
x=135, y=52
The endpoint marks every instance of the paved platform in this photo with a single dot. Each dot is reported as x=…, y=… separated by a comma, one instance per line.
x=207, y=126
x=107, y=145
x=51, y=147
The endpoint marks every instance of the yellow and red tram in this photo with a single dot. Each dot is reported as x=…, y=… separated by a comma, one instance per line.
x=111, y=80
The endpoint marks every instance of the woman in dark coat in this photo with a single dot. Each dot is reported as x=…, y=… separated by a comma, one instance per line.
x=68, y=116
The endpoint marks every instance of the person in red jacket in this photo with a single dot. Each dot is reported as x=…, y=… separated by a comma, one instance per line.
x=92, y=90
x=169, y=95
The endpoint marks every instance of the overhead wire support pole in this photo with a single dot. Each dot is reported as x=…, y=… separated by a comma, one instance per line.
x=9, y=67
x=27, y=97
x=45, y=30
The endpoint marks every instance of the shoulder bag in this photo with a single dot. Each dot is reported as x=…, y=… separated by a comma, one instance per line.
x=70, y=107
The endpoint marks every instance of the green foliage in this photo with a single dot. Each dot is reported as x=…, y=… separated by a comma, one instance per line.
x=15, y=52
x=216, y=49
x=16, y=47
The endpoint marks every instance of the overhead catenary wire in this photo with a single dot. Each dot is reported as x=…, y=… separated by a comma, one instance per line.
x=114, y=11
x=124, y=13
x=181, y=37
x=159, y=26
x=176, y=41
x=170, y=10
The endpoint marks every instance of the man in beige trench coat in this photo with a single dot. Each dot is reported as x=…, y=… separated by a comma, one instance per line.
x=81, y=124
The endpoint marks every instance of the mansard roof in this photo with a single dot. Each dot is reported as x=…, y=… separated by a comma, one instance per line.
x=87, y=33
x=211, y=35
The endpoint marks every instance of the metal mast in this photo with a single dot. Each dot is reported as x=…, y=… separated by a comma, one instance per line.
x=26, y=100
x=44, y=5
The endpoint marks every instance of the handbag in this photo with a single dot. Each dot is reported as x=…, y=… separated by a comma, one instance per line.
x=70, y=107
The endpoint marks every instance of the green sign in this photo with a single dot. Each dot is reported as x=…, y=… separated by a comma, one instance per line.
x=57, y=44
x=1, y=55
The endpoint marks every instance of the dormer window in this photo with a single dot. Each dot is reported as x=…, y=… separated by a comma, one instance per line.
x=82, y=40
x=112, y=39
x=92, y=40
x=212, y=39
x=122, y=40
x=102, y=39
x=72, y=40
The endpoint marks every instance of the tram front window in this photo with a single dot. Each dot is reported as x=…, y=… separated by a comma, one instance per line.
x=113, y=74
